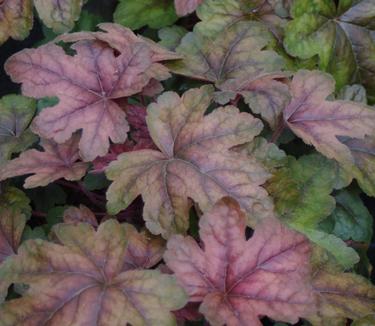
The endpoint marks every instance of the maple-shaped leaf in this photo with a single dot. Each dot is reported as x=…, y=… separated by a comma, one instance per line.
x=138, y=13
x=238, y=63
x=194, y=162
x=81, y=281
x=185, y=7
x=16, y=113
x=217, y=15
x=301, y=192
x=320, y=122
x=60, y=16
x=81, y=214
x=239, y=280
x=363, y=153
x=341, y=35
x=55, y=162
x=16, y=19
x=86, y=85
x=339, y=295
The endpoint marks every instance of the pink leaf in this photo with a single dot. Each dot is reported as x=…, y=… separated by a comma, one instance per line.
x=57, y=161
x=237, y=280
x=185, y=7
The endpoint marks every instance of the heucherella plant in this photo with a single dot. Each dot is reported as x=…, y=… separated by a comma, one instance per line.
x=187, y=162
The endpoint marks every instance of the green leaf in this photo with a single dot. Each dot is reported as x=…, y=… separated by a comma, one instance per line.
x=45, y=198
x=170, y=37
x=301, y=192
x=138, y=13
x=340, y=37
x=351, y=219
x=16, y=113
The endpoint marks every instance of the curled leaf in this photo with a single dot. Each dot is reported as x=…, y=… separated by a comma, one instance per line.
x=239, y=280
x=194, y=162
x=57, y=161
x=82, y=281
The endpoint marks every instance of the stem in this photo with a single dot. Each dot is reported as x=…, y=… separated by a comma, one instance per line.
x=38, y=214
x=278, y=131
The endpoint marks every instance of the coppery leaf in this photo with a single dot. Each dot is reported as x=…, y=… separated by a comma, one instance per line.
x=81, y=281
x=57, y=161
x=81, y=214
x=194, y=162
x=237, y=280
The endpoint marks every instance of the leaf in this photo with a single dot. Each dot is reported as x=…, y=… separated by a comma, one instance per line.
x=365, y=321
x=319, y=122
x=341, y=295
x=194, y=162
x=351, y=220
x=363, y=153
x=89, y=284
x=238, y=63
x=267, y=154
x=75, y=215
x=144, y=250
x=138, y=13
x=14, y=210
x=341, y=37
x=16, y=19
x=217, y=15
x=355, y=93
x=185, y=7
x=60, y=16
x=16, y=113
x=170, y=37
x=57, y=161
x=86, y=85
x=237, y=280
x=301, y=192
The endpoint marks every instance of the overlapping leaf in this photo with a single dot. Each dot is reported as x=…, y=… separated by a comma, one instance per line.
x=320, y=122
x=82, y=281
x=238, y=280
x=194, y=162
x=16, y=113
x=57, y=161
x=238, y=63
x=81, y=214
x=16, y=19
x=342, y=37
x=185, y=7
x=86, y=85
x=138, y=13
x=60, y=15
x=301, y=191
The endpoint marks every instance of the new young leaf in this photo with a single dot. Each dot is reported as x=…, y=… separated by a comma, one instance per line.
x=185, y=7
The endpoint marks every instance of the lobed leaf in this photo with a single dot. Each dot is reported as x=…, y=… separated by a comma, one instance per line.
x=57, y=161
x=82, y=281
x=239, y=280
x=338, y=35
x=194, y=162
x=81, y=214
x=16, y=19
x=320, y=122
